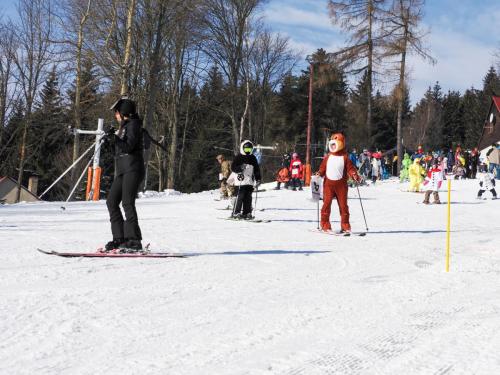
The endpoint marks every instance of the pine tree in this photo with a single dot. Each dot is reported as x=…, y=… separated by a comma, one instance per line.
x=384, y=119
x=359, y=134
x=49, y=135
x=473, y=117
x=89, y=96
x=452, y=121
x=11, y=139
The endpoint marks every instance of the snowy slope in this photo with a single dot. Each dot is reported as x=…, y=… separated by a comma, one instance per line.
x=270, y=298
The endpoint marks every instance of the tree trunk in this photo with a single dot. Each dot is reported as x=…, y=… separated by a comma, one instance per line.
x=244, y=115
x=22, y=152
x=78, y=90
x=128, y=49
x=369, y=72
x=154, y=64
x=401, y=93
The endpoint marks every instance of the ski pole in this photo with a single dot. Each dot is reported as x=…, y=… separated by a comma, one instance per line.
x=362, y=210
x=317, y=210
x=256, y=196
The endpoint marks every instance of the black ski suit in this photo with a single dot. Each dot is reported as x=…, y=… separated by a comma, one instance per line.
x=129, y=172
x=245, y=184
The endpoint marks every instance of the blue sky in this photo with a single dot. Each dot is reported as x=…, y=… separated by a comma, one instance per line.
x=464, y=34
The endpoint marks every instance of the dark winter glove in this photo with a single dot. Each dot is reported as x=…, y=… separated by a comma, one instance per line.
x=110, y=132
x=493, y=182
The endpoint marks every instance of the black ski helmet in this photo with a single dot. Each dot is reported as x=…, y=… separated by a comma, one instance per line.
x=124, y=106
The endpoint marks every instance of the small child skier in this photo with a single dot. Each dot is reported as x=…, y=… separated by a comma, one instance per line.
x=246, y=173
x=433, y=182
x=296, y=172
x=486, y=182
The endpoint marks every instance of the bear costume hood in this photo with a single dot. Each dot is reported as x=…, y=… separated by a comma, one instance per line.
x=336, y=145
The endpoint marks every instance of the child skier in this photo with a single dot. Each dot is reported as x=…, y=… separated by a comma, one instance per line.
x=403, y=176
x=246, y=173
x=433, y=182
x=486, y=182
x=296, y=172
x=416, y=173
x=282, y=176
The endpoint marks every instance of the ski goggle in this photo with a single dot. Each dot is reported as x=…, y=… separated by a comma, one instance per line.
x=247, y=150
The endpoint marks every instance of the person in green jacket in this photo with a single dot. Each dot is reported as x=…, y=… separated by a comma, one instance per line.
x=403, y=175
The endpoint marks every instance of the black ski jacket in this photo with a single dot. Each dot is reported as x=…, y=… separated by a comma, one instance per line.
x=240, y=160
x=129, y=147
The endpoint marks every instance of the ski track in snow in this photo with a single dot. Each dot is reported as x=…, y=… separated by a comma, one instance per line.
x=255, y=298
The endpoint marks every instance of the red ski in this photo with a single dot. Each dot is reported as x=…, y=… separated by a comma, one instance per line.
x=114, y=255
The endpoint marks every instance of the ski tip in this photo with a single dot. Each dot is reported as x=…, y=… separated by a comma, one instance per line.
x=45, y=251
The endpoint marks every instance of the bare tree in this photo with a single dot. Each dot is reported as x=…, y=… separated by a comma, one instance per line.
x=271, y=59
x=7, y=48
x=181, y=51
x=227, y=23
x=31, y=60
x=406, y=36
x=72, y=18
x=361, y=20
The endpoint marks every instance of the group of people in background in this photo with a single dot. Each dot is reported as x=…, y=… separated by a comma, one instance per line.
x=423, y=170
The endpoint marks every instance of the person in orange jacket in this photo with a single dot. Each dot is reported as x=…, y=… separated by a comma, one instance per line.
x=336, y=168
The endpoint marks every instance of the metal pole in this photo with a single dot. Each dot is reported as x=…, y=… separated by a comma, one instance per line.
x=78, y=182
x=98, y=137
x=96, y=175
x=97, y=150
x=67, y=170
x=309, y=125
x=362, y=210
x=448, y=225
x=317, y=210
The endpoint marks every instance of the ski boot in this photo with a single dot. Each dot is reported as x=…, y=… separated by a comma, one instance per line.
x=113, y=245
x=131, y=246
x=236, y=216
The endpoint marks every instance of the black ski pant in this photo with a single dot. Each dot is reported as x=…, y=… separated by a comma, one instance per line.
x=124, y=189
x=244, y=195
x=492, y=191
x=296, y=183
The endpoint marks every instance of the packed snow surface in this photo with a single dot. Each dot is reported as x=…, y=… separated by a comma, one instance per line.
x=268, y=298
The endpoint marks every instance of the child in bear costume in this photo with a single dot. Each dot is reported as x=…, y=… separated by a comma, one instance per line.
x=336, y=167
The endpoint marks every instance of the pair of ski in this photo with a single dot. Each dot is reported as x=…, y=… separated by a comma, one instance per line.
x=245, y=220
x=100, y=254
x=339, y=234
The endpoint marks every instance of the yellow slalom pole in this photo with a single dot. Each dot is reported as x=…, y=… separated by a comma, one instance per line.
x=448, y=229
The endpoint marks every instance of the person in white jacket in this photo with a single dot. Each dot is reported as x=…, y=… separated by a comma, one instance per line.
x=486, y=182
x=433, y=182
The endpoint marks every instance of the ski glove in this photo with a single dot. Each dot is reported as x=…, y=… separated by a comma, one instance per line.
x=110, y=132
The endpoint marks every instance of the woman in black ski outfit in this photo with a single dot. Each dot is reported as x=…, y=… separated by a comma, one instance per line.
x=129, y=172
